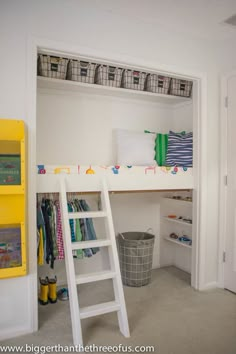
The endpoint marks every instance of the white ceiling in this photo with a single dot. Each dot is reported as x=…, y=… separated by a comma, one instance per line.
x=195, y=18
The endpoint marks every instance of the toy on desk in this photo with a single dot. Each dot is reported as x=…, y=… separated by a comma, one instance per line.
x=58, y=170
x=115, y=169
x=185, y=239
x=90, y=171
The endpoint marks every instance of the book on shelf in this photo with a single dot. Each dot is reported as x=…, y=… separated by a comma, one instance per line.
x=10, y=172
x=10, y=247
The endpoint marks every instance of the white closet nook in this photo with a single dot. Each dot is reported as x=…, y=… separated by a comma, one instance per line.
x=76, y=122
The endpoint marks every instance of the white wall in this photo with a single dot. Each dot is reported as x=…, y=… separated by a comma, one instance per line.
x=94, y=31
x=183, y=117
x=79, y=128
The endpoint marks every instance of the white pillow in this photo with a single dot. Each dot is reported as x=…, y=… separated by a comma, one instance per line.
x=134, y=148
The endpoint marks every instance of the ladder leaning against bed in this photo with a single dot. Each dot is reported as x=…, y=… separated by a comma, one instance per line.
x=118, y=305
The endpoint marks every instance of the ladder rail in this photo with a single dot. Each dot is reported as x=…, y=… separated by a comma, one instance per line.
x=70, y=271
x=114, y=262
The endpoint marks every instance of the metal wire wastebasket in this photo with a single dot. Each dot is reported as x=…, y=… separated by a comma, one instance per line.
x=135, y=254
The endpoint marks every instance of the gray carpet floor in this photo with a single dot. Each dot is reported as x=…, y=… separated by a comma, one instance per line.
x=167, y=313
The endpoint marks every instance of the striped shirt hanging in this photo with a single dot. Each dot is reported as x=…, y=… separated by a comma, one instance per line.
x=180, y=149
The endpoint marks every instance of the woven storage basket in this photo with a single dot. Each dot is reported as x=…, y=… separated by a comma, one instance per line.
x=81, y=71
x=180, y=87
x=108, y=76
x=135, y=254
x=157, y=83
x=134, y=80
x=53, y=67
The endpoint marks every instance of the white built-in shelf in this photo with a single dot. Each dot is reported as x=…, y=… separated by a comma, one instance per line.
x=69, y=85
x=177, y=242
x=178, y=221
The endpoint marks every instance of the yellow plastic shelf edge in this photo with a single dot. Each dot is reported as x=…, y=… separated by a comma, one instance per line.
x=13, y=199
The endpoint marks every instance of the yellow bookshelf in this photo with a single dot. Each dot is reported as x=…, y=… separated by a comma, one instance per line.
x=12, y=198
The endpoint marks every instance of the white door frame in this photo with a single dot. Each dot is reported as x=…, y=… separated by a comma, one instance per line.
x=200, y=128
x=223, y=174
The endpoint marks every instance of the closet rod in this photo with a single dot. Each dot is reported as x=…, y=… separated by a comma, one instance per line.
x=150, y=191
x=73, y=193
x=124, y=191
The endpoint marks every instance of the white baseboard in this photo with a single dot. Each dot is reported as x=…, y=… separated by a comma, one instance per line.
x=220, y=285
x=166, y=264
x=14, y=332
x=208, y=286
x=156, y=266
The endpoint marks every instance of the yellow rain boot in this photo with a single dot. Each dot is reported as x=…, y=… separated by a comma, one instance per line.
x=43, y=296
x=52, y=284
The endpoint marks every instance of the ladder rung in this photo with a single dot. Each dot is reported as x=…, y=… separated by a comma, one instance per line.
x=90, y=244
x=87, y=214
x=99, y=309
x=96, y=276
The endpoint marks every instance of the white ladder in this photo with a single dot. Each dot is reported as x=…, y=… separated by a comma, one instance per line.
x=118, y=304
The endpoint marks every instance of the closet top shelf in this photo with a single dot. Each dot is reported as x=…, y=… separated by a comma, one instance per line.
x=181, y=200
x=68, y=85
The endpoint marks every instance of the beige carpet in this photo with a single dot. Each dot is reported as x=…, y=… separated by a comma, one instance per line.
x=167, y=313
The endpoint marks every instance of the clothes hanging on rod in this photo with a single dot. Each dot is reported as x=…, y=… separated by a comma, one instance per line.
x=60, y=244
x=50, y=237
x=86, y=230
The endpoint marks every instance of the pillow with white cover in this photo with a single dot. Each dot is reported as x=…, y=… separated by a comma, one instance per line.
x=135, y=148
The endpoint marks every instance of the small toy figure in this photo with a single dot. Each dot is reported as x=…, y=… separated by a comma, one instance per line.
x=90, y=171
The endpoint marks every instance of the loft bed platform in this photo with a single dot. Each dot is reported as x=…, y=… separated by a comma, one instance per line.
x=118, y=178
